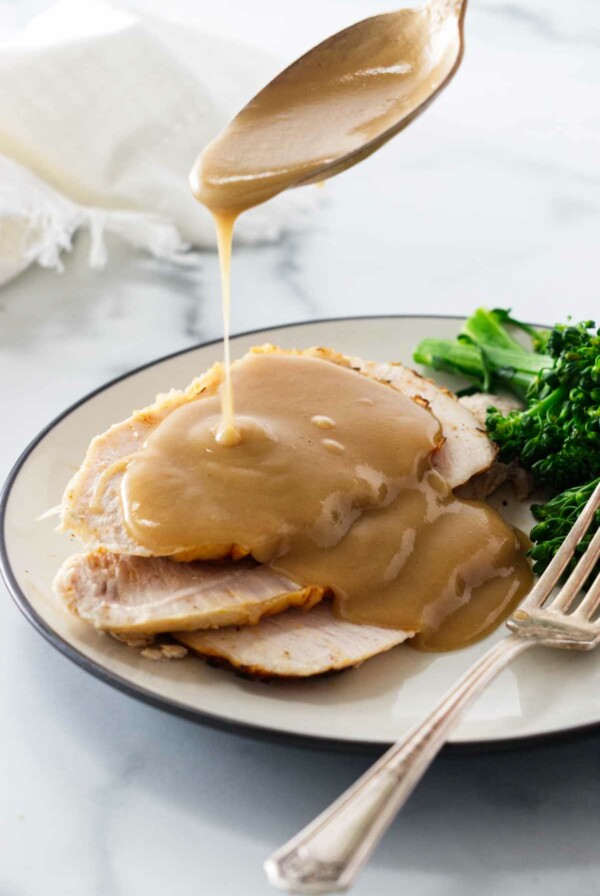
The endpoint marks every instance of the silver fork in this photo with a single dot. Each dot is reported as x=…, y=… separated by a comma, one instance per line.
x=328, y=854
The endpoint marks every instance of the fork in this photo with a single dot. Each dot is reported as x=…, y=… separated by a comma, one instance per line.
x=328, y=854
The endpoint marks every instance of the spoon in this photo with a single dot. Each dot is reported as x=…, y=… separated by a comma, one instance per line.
x=333, y=107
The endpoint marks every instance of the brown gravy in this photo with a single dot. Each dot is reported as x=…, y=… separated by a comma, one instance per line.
x=227, y=433
x=332, y=107
x=327, y=111
x=321, y=472
x=331, y=484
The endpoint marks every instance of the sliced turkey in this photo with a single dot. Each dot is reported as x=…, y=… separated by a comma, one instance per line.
x=467, y=450
x=499, y=473
x=136, y=596
x=91, y=505
x=479, y=402
x=293, y=644
x=147, y=595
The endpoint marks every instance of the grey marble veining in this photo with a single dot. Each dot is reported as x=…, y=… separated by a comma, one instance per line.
x=493, y=196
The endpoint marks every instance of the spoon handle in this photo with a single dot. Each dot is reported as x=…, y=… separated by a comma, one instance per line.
x=327, y=855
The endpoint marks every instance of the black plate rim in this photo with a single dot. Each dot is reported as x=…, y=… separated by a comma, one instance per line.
x=200, y=717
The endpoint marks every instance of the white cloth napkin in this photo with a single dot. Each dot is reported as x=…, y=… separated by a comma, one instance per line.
x=102, y=113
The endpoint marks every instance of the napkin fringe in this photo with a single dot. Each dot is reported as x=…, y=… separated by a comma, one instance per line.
x=142, y=231
x=38, y=224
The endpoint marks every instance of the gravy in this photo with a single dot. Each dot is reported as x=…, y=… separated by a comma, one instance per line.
x=322, y=473
x=329, y=110
x=332, y=107
x=226, y=433
x=332, y=485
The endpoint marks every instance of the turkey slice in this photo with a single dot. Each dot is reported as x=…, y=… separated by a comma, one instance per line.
x=479, y=402
x=467, y=450
x=294, y=644
x=147, y=595
x=136, y=596
x=91, y=505
x=490, y=480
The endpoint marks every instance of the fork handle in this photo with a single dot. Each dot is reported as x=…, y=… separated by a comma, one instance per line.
x=327, y=855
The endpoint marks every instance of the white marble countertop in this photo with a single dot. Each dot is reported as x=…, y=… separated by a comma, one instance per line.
x=492, y=197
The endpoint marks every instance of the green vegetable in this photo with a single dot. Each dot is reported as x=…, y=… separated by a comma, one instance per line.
x=557, y=434
x=539, y=338
x=555, y=519
x=487, y=354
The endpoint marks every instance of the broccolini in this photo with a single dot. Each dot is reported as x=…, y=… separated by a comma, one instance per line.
x=555, y=519
x=557, y=434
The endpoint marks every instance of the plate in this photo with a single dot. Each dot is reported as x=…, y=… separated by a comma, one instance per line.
x=544, y=694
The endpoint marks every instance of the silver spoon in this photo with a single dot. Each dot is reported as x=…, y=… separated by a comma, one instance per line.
x=334, y=106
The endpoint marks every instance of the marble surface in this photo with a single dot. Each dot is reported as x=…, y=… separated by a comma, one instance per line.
x=493, y=196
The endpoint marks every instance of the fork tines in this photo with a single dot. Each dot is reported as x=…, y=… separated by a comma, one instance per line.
x=531, y=608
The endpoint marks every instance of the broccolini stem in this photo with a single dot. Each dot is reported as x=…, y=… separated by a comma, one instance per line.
x=540, y=408
x=453, y=356
x=485, y=329
x=487, y=366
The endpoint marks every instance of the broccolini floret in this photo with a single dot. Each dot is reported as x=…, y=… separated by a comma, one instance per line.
x=555, y=519
x=557, y=436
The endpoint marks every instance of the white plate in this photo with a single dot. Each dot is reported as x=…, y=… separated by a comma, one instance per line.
x=545, y=693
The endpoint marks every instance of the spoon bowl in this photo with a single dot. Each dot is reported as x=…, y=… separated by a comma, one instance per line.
x=334, y=106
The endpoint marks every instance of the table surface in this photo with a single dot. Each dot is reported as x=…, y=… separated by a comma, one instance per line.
x=492, y=197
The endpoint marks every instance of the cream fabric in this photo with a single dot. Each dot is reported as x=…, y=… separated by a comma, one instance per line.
x=102, y=114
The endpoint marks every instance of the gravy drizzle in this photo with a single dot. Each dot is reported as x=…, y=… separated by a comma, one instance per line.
x=327, y=111
x=323, y=473
x=226, y=432
x=331, y=485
